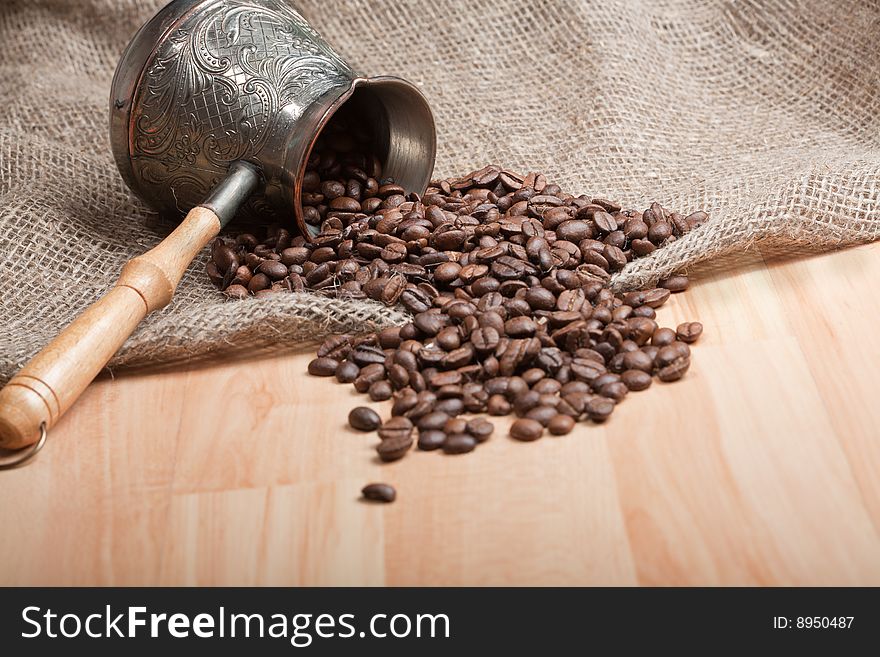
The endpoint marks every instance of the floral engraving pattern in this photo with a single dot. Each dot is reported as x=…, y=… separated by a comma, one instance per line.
x=212, y=92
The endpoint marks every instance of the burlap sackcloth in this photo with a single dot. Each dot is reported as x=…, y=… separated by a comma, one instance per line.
x=766, y=113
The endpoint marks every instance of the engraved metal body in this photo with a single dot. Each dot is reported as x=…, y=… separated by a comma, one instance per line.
x=207, y=83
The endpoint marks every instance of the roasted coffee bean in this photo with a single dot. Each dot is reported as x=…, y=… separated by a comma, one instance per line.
x=431, y=439
x=615, y=390
x=542, y=414
x=674, y=370
x=636, y=380
x=485, y=339
x=380, y=391
x=638, y=360
x=662, y=337
x=559, y=425
x=599, y=409
x=396, y=427
x=480, y=428
x=451, y=406
x=459, y=443
x=379, y=493
x=498, y=405
x=434, y=420
x=323, y=366
x=689, y=332
x=455, y=425
x=675, y=283
x=367, y=354
x=364, y=419
x=347, y=372
x=237, y=291
x=394, y=447
x=526, y=430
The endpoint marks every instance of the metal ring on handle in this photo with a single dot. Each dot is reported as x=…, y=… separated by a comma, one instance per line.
x=26, y=454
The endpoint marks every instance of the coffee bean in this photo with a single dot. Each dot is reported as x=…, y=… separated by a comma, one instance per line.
x=451, y=406
x=526, y=430
x=379, y=493
x=396, y=427
x=434, y=420
x=559, y=425
x=662, y=337
x=459, y=443
x=431, y=439
x=636, y=380
x=455, y=425
x=364, y=419
x=599, y=409
x=323, y=366
x=480, y=428
x=520, y=327
x=689, y=332
x=237, y=291
x=542, y=414
x=395, y=447
x=615, y=390
x=498, y=405
x=346, y=372
x=675, y=283
x=674, y=370
x=380, y=391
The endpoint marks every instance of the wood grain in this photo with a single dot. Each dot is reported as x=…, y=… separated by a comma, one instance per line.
x=760, y=467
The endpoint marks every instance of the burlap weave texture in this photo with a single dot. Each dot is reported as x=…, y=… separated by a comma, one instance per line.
x=765, y=113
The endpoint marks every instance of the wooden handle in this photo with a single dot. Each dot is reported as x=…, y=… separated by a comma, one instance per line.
x=49, y=384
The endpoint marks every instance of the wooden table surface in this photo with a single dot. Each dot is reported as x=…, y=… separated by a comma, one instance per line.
x=760, y=467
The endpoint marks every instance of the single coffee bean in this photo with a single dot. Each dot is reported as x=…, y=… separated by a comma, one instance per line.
x=599, y=409
x=498, y=405
x=396, y=427
x=674, y=370
x=636, y=380
x=380, y=391
x=347, y=372
x=480, y=428
x=433, y=420
x=323, y=366
x=542, y=414
x=559, y=425
x=364, y=419
x=689, y=332
x=455, y=425
x=675, y=283
x=379, y=493
x=459, y=443
x=394, y=447
x=526, y=429
x=431, y=439
x=663, y=337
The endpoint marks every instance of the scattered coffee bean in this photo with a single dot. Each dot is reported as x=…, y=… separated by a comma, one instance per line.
x=526, y=429
x=689, y=332
x=431, y=439
x=507, y=280
x=559, y=425
x=481, y=429
x=323, y=367
x=364, y=419
x=379, y=492
x=459, y=443
x=675, y=283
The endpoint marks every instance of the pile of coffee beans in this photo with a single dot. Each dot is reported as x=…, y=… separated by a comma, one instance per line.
x=507, y=281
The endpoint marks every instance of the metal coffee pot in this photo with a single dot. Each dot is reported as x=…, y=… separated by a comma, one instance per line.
x=214, y=109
